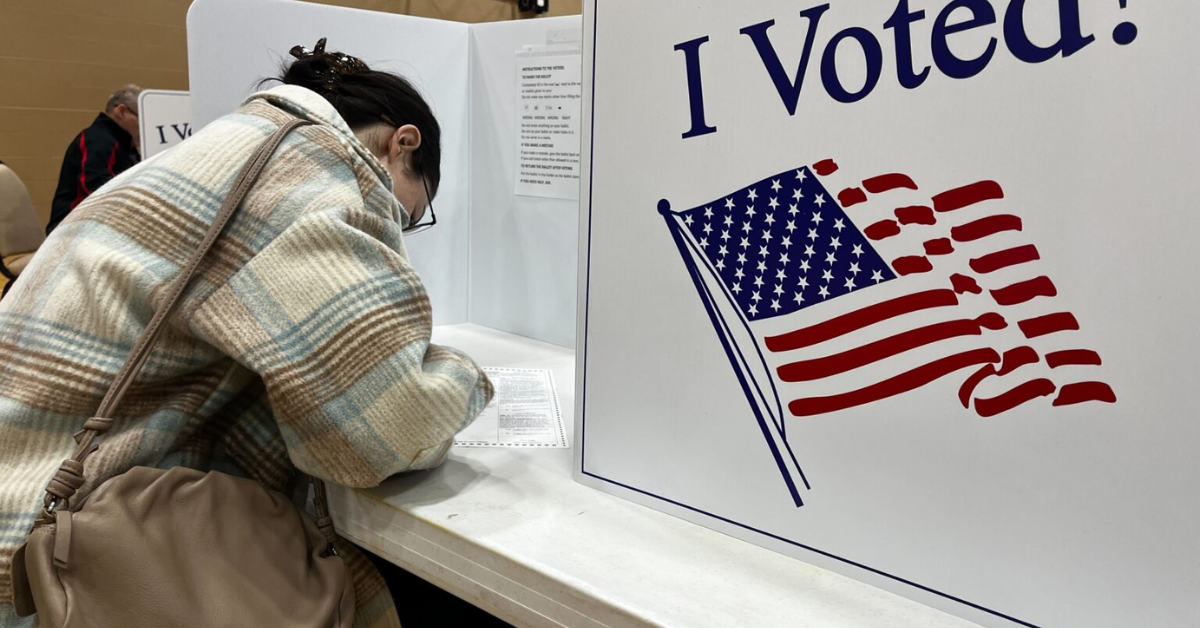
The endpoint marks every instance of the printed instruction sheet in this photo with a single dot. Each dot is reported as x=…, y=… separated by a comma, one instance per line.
x=524, y=412
x=549, y=90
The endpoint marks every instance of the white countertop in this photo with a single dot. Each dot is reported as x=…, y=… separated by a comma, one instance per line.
x=510, y=531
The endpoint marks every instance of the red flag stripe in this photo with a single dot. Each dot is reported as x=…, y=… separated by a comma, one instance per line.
x=964, y=284
x=967, y=195
x=915, y=215
x=911, y=265
x=1006, y=401
x=882, y=229
x=1083, y=392
x=910, y=380
x=858, y=319
x=940, y=246
x=985, y=227
x=1048, y=324
x=850, y=197
x=819, y=368
x=825, y=167
x=1024, y=291
x=1073, y=357
x=888, y=182
x=968, y=387
x=1004, y=259
x=1013, y=359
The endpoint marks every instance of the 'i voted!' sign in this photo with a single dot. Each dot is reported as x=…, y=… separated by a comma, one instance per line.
x=904, y=289
x=1009, y=20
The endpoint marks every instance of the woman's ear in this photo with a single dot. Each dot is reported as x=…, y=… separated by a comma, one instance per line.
x=405, y=141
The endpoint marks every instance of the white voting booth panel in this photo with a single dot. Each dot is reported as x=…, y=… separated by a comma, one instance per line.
x=523, y=248
x=922, y=312
x=235, y=44
x=494, y=258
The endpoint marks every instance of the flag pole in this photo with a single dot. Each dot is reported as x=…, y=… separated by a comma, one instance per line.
x=719, y=325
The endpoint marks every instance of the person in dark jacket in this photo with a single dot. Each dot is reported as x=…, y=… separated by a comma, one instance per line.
x=99, y=153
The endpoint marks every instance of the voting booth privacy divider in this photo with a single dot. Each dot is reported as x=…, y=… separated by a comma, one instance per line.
x=495, y=258
x=904, y=289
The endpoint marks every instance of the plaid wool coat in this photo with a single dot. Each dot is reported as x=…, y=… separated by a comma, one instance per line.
x=302, y=343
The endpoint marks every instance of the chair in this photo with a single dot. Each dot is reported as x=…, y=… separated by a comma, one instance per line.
x=20, y=228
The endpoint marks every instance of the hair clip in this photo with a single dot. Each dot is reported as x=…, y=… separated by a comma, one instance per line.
x=340, y=65
x=345, y=64
x=300, y=52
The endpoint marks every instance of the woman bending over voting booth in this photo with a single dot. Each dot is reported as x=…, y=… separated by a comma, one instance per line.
x=300, y=344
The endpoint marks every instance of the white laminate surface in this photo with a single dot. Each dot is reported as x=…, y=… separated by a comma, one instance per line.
x=510, y=531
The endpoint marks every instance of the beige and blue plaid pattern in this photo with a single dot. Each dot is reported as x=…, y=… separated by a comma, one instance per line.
x=302, y=343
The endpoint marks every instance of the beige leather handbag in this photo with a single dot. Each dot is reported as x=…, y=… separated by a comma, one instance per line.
x=179, y=548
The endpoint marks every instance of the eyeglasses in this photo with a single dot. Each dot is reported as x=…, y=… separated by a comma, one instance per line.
x=422, y=226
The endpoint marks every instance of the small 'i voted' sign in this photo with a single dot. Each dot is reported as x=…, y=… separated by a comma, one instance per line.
x=165, y=117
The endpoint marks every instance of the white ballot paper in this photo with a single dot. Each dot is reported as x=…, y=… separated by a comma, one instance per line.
x=524, y=412
x=548, y=90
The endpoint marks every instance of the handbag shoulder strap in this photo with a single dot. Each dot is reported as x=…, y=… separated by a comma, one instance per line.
x=69, y=476
x=141, y=350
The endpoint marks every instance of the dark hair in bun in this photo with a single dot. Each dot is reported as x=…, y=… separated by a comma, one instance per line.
x=365, y=97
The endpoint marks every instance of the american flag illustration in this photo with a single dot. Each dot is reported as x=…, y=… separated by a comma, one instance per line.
x=825, y=302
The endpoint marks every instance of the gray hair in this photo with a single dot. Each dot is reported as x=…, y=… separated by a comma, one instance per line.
x=127, y=96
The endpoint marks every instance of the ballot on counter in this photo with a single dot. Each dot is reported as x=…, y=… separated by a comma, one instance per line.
x=524, y=412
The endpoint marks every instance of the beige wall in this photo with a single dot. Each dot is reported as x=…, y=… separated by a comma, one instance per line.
x=60, y=59
x=460, y=10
